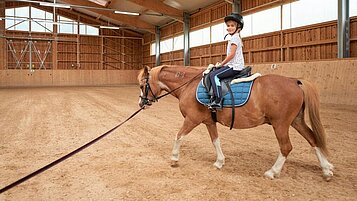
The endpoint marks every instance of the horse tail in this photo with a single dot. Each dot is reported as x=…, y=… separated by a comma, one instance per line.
x=312, y=103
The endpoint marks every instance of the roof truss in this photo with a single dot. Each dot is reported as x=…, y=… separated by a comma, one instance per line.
x=160, y=7
x=132, y=21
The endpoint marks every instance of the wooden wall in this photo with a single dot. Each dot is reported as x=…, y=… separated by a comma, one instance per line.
x=24, y=78
x=71, y=57
x=312, y=42
x=103, y=52
x=335, y=79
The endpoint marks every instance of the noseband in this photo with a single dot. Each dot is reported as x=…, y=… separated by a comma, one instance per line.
x=148, y=89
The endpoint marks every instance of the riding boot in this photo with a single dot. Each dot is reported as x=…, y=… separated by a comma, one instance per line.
x=212, y=99
x=216, y=104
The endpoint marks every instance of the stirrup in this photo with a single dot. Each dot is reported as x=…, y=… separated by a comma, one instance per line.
x=215, y=106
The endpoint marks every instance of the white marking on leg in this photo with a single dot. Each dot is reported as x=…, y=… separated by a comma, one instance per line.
x=220, y=157
x=326, y=166
x=141, y=94
x=277, y=167
x=176, y=149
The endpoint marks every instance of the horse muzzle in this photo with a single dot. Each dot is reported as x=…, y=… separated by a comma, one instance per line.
x=145, y=102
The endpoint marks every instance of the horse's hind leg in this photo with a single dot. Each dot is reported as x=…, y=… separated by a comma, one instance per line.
x=212, y=129
x=282, y=134
x=300, y=125
x=186, y=128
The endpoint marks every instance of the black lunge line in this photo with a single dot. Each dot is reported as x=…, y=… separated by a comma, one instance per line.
x=86, y=145
x=66, y=156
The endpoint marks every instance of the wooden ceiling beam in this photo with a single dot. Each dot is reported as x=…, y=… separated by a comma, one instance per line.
x=160, y=7
x=131, y=21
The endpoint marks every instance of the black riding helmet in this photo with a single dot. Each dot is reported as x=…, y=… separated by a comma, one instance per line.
x=237, y=18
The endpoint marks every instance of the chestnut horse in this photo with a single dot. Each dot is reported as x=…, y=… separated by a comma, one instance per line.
x=276, y=100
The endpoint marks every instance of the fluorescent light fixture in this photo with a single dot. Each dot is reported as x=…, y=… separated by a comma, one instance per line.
x=126, y=13
x=55, y=5
x=108, y=27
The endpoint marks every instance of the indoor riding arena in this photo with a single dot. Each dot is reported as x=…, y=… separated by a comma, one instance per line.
x=98, y=100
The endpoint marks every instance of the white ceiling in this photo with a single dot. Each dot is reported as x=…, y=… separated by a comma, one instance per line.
x=187, y=5
x=148, y=16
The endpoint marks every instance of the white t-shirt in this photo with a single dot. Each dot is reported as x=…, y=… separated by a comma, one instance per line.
x=237, y=63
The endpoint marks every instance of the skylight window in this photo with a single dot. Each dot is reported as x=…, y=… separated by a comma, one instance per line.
x=100, y=2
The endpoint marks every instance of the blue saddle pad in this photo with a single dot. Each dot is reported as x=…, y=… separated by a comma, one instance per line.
x=241, y=92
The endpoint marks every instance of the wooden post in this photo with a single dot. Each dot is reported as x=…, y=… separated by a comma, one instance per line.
x=157, y=42
x=2, y=38
x=281, y=34
x=102, y=52
x=236, y=8
x=54, y=44
x=78, y=47
x=186, y=39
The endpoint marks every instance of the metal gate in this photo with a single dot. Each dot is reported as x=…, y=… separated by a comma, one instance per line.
x=29, y=54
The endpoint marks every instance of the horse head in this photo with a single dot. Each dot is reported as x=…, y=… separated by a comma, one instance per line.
x=148, y=86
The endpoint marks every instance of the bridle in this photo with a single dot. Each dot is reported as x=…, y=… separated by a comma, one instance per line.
x=144, y=97
x=148, y=89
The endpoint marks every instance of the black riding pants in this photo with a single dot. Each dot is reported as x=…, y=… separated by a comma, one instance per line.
x=217, y=75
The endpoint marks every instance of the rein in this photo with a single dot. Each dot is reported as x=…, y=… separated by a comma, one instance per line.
x=156, y=98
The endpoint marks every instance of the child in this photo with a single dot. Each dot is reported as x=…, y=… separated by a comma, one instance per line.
x=233, y=64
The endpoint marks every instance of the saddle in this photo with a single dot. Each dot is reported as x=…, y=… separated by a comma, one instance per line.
x=246, y=72
x=241, y=83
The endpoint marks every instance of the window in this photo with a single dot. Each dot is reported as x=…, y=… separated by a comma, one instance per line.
x=166, y=45
x=67, y=25
x=100, y=2
x=22, y=12
x=353, y=9
x=178, y=42
x=88, y=30
x=305, y=12
x=261, y=22
x=200, y=37
x=218, y=32
x=41, y=20
x=153, y=49
x=248, y=28
x=266, y=21
x=17, y=18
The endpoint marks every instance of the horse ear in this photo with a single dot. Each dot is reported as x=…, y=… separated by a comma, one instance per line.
x=146, y=70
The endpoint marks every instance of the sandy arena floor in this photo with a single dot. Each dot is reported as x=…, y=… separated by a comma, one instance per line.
x=39, y=125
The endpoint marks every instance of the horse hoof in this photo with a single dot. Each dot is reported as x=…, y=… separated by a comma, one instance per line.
x=328, y=175
x=270, y=174
x=218, y=165
x=328, y=172
x=174, y=164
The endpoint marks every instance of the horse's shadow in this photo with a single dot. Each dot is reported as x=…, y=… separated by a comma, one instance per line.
x=250, y=163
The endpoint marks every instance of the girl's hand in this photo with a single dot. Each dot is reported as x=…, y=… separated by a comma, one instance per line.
x=218, y=65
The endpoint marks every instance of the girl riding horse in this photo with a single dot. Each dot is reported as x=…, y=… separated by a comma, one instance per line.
x=233, y=64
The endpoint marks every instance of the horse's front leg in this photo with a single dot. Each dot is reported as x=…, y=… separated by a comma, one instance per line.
x=187, y=127
x=212, y=130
